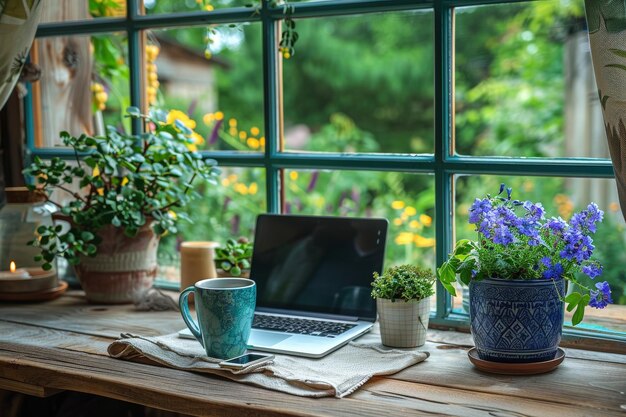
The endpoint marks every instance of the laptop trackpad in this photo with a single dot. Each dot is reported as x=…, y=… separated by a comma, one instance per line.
x=266, y=339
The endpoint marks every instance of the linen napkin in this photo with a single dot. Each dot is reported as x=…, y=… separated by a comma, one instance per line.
x=337, y=374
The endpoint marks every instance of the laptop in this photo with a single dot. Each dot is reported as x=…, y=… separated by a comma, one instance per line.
x=313, y=277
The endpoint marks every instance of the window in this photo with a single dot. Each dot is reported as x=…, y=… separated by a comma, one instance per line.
x=403, y=109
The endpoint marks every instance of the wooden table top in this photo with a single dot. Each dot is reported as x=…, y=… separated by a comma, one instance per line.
x=61, y=345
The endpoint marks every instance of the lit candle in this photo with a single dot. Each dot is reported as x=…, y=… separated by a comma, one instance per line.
x=14, y=273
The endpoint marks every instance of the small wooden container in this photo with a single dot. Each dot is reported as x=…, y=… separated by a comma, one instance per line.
x=39, y=280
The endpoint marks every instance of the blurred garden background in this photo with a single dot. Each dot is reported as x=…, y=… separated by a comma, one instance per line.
x=524, y=88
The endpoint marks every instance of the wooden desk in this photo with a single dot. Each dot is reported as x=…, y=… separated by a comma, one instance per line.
x=61, y=345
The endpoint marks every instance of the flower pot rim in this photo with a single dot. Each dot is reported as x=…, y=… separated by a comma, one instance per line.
x=402, y=299
x=518, y=280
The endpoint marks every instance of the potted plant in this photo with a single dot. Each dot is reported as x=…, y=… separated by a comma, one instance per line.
x=131, y=188
x=516, y=272
x=403, y=301
x=234, y=258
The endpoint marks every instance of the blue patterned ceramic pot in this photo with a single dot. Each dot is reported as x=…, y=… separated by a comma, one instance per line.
x=225, y=310
x=516, y=321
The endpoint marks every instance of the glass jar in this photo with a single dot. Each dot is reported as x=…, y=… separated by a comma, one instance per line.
x=24, y=212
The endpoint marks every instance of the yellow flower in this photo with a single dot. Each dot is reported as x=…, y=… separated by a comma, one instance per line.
x=397, y=205
x=613, y=206
x=397, y=222
x=253, y=188
x=410, y=211
x=225, y=182
x=96, y=171
x=241, y=188
x=208, y=8
x=219, y=115
x=124, y=181
x=253, y=143
x=254, y=131
x=232, y=177
x=404, y=238
x=197, y=139
x=293, y=175
x=232, y=122
x=414, y=224
x=424, y=242
x=208, y=118
x=243, y=135
x=172, y=214
x=232, y=131
x=426, y=220
x=262, y=141
x=174, y=115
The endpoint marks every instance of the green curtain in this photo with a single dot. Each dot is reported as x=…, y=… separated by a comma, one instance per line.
x=606, y=20
x=18, y=24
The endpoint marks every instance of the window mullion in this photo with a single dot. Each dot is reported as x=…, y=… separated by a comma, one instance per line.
x=444, y=96
x=271, y=106
x=135, y=57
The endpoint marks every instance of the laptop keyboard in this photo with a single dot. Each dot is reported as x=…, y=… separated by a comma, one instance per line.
x=300, y=326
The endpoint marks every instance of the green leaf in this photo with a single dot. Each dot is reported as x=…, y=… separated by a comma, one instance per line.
x=235, y=271
x=133, y=111
x=573, y=298
x=87, y=236
x=226, y=266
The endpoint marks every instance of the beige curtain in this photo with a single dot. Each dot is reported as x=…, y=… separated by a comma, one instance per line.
x=18, y=23
x=606, y=20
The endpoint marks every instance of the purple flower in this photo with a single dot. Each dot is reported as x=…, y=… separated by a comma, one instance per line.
x=215, y=132
x=535, y=211
x=503, y=235
x=556, y=225
x=478, y=208
x=577, y=246
x=553, y=271
x=587, y=219
x=314, y=176
x=592, y=270
x=501, y=188
x=528, y=227
x=602, y=297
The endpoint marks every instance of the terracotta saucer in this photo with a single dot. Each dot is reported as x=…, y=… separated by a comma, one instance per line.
x=515, y=368
x=44, y=295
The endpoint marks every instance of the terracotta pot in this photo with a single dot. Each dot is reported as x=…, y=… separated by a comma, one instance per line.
x=123, y=267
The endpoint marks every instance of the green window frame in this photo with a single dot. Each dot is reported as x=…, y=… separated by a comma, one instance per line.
x=444, y=164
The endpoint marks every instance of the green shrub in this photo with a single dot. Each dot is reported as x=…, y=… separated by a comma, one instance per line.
x=404, y=282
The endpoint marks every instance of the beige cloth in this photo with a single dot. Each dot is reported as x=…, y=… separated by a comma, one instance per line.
x=337, y=374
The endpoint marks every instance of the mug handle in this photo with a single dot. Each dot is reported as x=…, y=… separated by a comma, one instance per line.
x=184, y=311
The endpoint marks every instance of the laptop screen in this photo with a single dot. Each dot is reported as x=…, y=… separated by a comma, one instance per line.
x=318, y=264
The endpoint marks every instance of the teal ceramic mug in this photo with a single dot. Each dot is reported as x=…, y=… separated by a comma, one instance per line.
x=225, y=310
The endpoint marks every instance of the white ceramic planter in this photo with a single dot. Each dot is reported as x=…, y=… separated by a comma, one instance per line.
x=403, y=323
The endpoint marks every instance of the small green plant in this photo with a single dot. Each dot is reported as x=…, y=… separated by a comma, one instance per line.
x=126, y=181
x=235, y=257
x=404, y=282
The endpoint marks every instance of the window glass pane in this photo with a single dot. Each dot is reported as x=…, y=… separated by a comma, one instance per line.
x=227, y=210
x=524, y=82
x=361, y=84
x=214, y=86
x=83, y=86
x=563, y=197
x=407, y=201
x=175, y=6
x=67, y=10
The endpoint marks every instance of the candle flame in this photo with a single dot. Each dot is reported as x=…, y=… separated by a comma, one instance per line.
x=12, y=266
